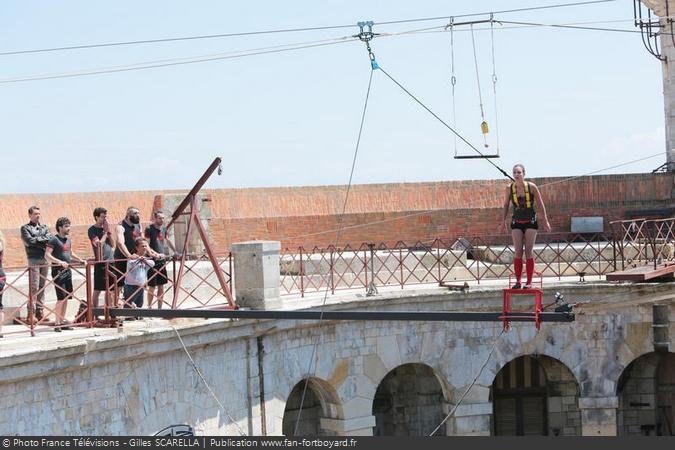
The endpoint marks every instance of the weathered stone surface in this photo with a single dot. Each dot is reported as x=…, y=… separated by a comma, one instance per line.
x=141, y=380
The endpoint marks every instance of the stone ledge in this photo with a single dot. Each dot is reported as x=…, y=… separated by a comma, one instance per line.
x=346, y=425
x=472, y=409
x=598, y=402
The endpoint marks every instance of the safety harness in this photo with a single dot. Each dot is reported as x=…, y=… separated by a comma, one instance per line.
x=528, y=198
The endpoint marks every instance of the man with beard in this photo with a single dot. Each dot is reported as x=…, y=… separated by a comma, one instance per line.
x=126, y=233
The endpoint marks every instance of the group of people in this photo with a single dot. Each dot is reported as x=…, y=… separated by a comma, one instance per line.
x=124, y=256
x=130, y=258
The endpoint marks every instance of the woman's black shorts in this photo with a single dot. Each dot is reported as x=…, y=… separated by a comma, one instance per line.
x=531, y=225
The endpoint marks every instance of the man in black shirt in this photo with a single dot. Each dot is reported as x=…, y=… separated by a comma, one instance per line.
x=102, y=244
x=60, y=254
x=126, y=233
x=35, y=237
x=155, y=233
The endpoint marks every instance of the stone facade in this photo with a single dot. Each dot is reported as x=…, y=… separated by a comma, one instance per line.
x=141, y=380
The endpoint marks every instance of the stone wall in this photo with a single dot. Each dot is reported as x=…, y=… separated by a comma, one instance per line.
x=141, y=380
x=388, y=213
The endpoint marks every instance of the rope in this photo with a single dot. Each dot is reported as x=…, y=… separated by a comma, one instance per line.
x=480, y=94
x=494, y=81
x=337, y=241
x=181, y=61
x=273, y=31
x=480, y=371
x=419, y=102
x=199, y=372
x=453, y=79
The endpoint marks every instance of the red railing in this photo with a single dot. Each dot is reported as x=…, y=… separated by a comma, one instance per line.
x=31, y=304
x=644, y=241
x=442, y=262
x=365, y=266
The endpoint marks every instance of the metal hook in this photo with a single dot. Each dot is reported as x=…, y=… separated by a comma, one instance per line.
x=366, y=36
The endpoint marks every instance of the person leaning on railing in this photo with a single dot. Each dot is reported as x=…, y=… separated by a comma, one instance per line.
x=2, y=280
x=60, y=254
x=126, y=232
x=524, y=196
x=155, y=233
x=102, y=245
x=137, y=276
x=35, y=237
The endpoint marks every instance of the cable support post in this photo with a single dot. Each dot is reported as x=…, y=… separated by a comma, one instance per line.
x=366, y=34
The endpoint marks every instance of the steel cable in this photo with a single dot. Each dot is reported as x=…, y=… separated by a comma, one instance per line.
x=337, y=241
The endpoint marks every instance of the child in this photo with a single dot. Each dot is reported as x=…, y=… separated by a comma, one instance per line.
x=137, y=275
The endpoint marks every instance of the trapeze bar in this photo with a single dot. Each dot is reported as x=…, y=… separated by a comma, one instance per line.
x=483, y=156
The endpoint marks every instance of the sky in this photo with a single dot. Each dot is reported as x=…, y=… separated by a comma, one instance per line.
x=569, y=102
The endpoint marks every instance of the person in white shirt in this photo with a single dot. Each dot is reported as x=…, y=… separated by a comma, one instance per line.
x=137, y=275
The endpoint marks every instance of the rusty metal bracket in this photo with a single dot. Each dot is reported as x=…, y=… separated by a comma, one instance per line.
x=194, y=221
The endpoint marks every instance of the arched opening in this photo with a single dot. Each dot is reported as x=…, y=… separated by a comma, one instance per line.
x=646, y=392
x=535, y=395
x=319, y=403
x=408, y=402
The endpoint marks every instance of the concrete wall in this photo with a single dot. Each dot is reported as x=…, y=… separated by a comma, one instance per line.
x=141, y=380
x=668, y=66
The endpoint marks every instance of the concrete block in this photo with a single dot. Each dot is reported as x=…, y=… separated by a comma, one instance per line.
x=256, y=274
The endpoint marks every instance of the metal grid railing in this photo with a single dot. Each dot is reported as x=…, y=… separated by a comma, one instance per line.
x=440, y=261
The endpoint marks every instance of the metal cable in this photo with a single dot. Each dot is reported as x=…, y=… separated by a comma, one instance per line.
x=494, y=82
x=480, y=94
x=574, y=27
x=337, y=241
x=453, y=80
x=419, y=102
x=266, y=50
x=480, y=371
x=274, y=31
x=504, y=11
x=199, y=372
x=182, y=61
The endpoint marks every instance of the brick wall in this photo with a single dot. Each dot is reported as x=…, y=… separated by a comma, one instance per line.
x=309, y=216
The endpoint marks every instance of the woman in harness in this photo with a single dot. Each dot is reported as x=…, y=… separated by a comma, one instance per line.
x=523, y=195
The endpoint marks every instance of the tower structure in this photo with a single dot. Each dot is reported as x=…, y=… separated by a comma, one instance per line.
x=656, y=19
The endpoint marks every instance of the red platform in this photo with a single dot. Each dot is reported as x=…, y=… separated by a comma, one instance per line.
x=535, y=315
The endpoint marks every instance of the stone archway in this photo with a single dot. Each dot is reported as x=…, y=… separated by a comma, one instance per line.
x=408, y=402
x=646, y=392
x=535, y=395
x=320, y=403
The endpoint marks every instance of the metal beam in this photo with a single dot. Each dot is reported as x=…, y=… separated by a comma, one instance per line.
x=415, y=316
x=194, y=191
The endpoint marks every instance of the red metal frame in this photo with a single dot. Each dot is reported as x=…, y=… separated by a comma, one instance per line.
x=509, y=314
x=191, y=200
